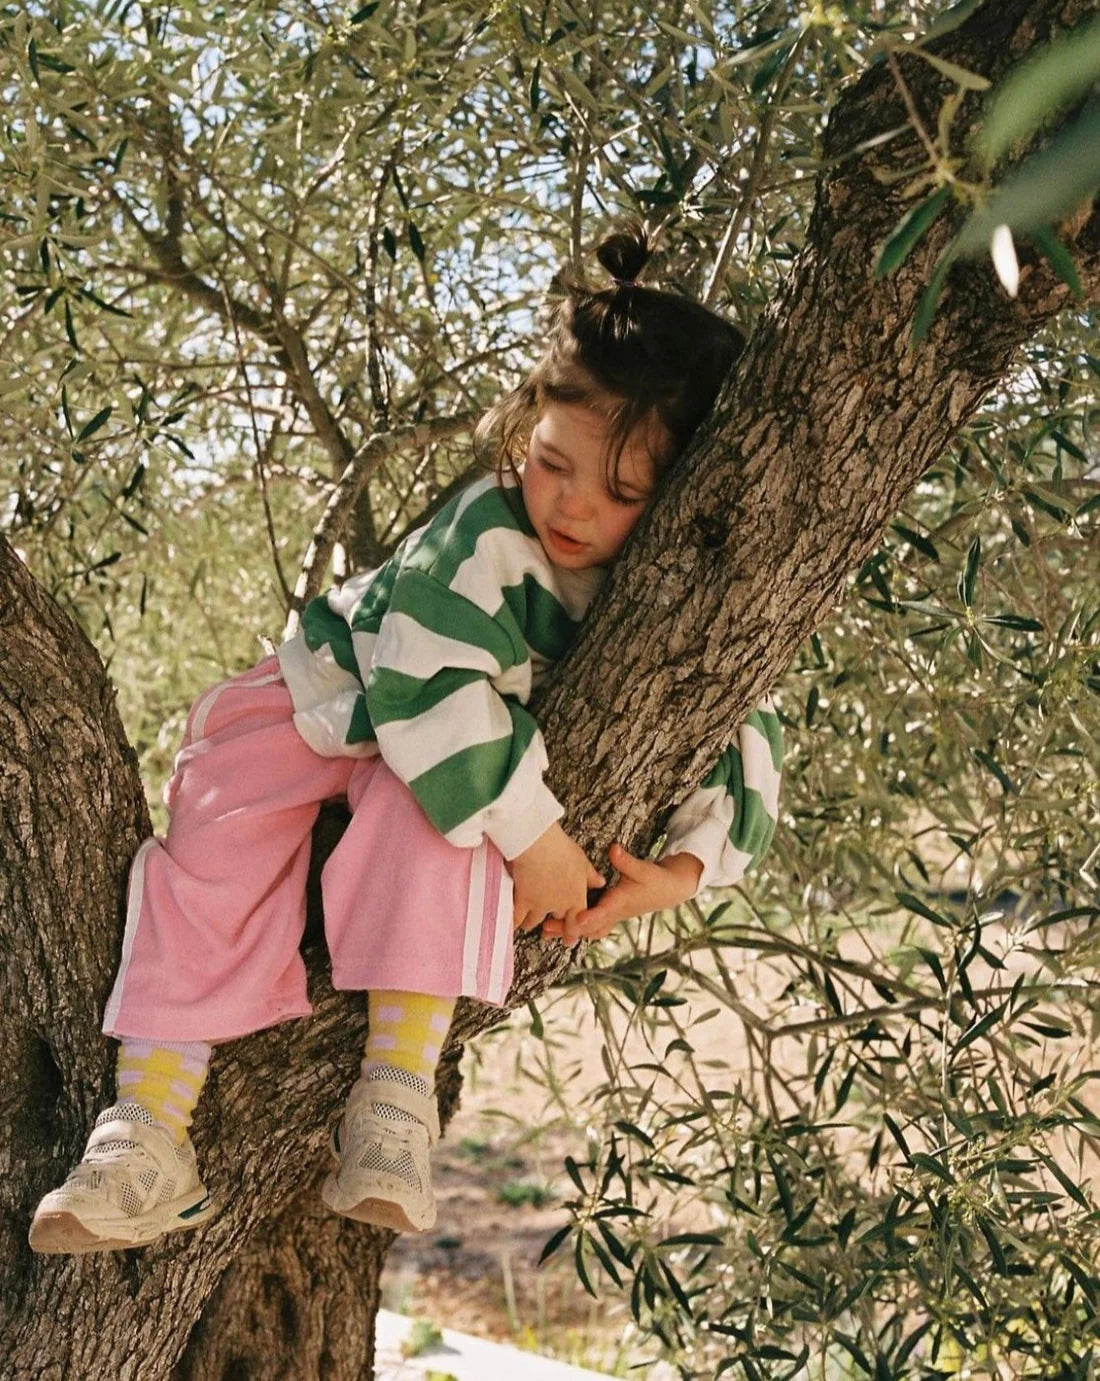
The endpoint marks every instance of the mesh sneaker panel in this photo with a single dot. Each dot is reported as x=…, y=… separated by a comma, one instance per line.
x=398, y=1114
x=404, y=1167
x=106, y=1146
x=147, y=1179
x=128, y=1198
x=167, y=1192
x=397, y=1075
x=126, y=1112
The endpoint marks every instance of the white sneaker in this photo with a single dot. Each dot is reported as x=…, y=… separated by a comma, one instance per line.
x=383, y=1173
x=133, y=1185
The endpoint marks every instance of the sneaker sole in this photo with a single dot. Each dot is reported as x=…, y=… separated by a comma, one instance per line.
x=64, y=1234
x=381, y=1213
x=377, y=1213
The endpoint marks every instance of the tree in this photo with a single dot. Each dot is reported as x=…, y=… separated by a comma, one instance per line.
x=214, y=216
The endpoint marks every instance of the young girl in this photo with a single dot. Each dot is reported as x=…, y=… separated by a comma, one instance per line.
x=405, y=694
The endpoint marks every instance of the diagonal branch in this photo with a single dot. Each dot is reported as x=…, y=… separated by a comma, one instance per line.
x=342, y=500
x=289, y=345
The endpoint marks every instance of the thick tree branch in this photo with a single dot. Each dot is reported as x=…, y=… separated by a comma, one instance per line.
x=830, y=422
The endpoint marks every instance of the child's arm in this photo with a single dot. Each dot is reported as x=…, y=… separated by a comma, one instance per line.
x=714, y=837
x=473, y=757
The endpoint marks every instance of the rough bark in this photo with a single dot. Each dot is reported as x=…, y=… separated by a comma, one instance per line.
x=831, y=421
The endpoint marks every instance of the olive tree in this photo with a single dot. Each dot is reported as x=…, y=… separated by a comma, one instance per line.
x=267, y=264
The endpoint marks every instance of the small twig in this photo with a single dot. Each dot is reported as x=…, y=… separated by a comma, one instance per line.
x=910, y=106
x=269, y=521
x=445, y=495
x=374, y=371
x=576, y=210
x=752, y=184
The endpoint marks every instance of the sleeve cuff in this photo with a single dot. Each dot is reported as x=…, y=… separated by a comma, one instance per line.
x=706, y=839
x=524, y=826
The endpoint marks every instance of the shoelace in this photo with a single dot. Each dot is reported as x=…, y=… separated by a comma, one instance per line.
x=97, y=1158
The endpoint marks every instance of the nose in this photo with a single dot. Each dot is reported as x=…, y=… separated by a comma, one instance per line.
x=573, y=500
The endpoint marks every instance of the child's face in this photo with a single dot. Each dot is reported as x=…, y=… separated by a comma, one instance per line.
x=579, y=521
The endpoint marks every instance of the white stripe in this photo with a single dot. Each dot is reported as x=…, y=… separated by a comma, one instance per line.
x=363, y=645
x=313, y=678
x=407, y=646
x=133, y=911
x=503, y=556
x=756, y=761
x=342, y=599
x=475, y=909
x=505, y=910
x=472, y=715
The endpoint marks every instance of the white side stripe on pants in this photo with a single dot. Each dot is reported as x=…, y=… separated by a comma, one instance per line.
x=133, y=911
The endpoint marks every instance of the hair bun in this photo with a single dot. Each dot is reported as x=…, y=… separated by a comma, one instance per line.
x=625, y=253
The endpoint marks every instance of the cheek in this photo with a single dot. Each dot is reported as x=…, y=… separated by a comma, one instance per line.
x=621, y=522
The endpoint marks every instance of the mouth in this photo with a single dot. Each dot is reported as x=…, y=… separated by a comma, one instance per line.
x=569, y=546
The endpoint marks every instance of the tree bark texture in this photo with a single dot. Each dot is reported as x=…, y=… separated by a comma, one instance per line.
x=830, y=422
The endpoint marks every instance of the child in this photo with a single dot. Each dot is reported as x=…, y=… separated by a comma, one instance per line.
x=405, y=694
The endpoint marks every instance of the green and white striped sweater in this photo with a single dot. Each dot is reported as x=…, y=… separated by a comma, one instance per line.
x=432, y=658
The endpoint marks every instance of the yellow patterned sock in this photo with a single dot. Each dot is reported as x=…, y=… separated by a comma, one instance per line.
x=407, y=1031
x=165, y=1078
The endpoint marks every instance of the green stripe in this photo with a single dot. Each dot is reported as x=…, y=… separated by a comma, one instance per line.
x=367, y=614
x=752, y=828
x=474, y=778
x=544, y=620
x=360, y=728
x=393, y=696
x=439, y=610
x=322, y=628
x=727, y=772
x=448, y=540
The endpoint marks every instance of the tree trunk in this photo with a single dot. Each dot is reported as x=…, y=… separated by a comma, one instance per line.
x=831, y=421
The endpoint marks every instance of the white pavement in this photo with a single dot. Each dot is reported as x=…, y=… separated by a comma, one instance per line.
x=464, y=1358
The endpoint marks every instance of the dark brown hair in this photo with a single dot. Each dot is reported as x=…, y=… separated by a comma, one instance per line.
x=633, y=352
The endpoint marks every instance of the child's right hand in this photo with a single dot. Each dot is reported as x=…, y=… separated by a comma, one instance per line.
x=551, y=878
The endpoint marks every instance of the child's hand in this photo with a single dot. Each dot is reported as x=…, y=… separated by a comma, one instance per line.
x=643, y=886
x=551, y=878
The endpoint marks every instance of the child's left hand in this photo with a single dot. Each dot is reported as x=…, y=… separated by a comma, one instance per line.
x=643, y=886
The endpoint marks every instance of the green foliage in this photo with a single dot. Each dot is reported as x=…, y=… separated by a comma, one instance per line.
x=1046, y=185
x=239, y=241
x=887, y=1155
x=523, y=1193
x=1039, y=88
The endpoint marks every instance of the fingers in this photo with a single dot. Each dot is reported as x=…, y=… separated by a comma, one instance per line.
x=572, y=931
x=595, y=879
x=627, y=864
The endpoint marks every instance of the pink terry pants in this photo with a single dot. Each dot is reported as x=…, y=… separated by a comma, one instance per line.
x=216, y=910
